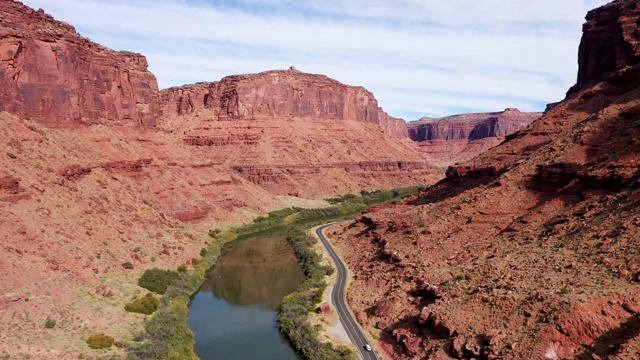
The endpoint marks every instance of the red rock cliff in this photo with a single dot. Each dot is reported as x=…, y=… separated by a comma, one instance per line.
x=49, y=73
x=471, y=126
x=458, y=138
x=281, y=93
x=609, y=41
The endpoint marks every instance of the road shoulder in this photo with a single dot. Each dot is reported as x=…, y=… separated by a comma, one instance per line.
x=332, y=329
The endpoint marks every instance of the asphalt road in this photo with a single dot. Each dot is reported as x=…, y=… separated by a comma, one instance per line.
x=338, y=299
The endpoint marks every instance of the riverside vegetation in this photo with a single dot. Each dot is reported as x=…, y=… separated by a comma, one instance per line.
x=167, y=335
x=293, y=318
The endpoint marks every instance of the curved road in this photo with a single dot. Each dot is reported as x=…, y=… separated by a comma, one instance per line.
x=338, y=299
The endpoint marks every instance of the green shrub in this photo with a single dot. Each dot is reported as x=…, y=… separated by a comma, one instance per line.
x=145, y=305
x=169, y=336
x=564, y=291
x=203, y=252
x=182, y=268
x=348, y=198
x=50, y=323
x=157, y=280
x=99, y=341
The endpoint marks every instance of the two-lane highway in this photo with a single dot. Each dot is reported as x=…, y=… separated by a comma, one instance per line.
x=338, y=299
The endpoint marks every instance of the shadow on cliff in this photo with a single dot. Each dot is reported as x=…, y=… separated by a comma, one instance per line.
x=458, y=180
x=613, y=138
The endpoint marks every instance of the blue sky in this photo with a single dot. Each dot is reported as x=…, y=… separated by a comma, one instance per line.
x=419, y=57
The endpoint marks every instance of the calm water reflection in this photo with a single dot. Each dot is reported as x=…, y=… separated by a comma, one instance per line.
x=233, y=316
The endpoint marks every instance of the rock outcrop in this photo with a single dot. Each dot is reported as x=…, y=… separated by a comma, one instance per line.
x=281, y=93
x=609, y=42
x=460, y=137
x=51, y=74
x=471, y=127
x=532, y=246
x=295, y=133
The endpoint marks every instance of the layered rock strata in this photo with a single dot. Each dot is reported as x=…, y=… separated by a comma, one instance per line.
x=281, y=93
x=609, y=42
x=460, y=137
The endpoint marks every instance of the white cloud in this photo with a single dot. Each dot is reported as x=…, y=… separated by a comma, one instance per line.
x=427, y=57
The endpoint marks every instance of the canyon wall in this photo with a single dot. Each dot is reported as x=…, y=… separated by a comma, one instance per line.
x=471, y=127
x=457, y=138
x=281, y=93
x=51, y=74
x=609, y=41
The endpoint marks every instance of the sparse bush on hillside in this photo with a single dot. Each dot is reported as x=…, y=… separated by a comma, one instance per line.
x=50, y=323
x=145, y=305
x=350, y=198
x=157, y=280
x=99, y=341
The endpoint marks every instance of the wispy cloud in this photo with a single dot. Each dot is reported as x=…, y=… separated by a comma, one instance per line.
x=419, y=57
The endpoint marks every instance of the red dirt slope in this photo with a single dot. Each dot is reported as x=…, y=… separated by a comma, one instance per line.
x=531, y=250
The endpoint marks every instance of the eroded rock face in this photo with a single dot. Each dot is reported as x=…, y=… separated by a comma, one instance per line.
x=471, y=127
x=281, y=93
x=457, y=138
x=609, y=40
x=51, y=74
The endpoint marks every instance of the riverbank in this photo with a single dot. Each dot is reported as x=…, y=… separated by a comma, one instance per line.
x=293, y=319
x=166, y=333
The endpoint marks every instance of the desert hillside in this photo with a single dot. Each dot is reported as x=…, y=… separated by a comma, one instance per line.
x=530, y=250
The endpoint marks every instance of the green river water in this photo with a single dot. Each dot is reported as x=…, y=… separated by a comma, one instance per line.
x=233, y=315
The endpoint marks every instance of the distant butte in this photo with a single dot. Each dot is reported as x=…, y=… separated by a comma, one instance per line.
x=458, y=138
